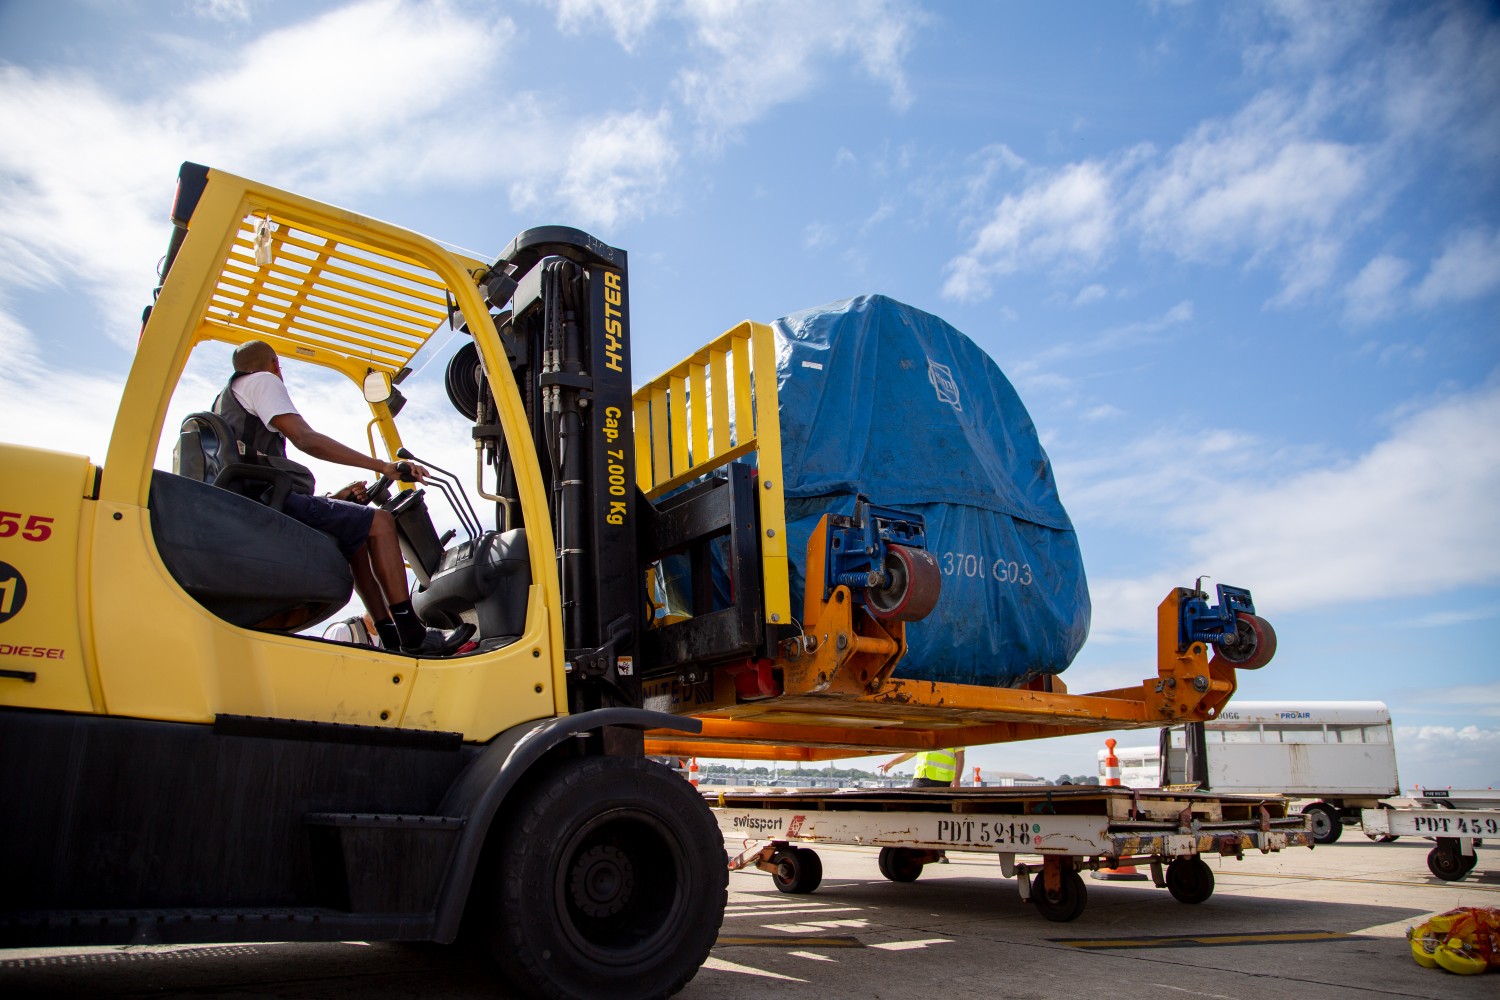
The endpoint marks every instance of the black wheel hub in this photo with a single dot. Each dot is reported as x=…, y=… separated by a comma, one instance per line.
x=1240, y=646
x=602, y=882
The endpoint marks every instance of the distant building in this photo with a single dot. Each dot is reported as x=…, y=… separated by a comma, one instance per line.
x=1007, y=779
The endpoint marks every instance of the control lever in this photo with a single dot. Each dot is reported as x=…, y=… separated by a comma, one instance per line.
x=380, y=493
x=468, y=517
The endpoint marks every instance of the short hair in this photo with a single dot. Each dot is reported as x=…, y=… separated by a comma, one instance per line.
x=254, y=356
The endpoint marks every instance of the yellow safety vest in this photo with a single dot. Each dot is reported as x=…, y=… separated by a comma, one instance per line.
x=937, y=765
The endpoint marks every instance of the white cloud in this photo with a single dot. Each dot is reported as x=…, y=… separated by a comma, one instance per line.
x=1064, y=220
x=355, y=73
x=628, y=20
x=1114, y=338
x=759, y=55
x=1468, y=268
x=1412, y=516
x=1091, y=293
x=375, y=98
x=619, y=166
x=223, y=10
x=328, y=98
x=1449, y=756
x=1261, y=185
x=1447, y=619
x=1104, y=411
x=1356, y=101
x=17, y=345
x=818, y=236
x=74, y=409
x=1440, y=83
x=1372, y=294
x=1306, y=34
x=62, y=218
x=1255, y=182
x=1483, y=699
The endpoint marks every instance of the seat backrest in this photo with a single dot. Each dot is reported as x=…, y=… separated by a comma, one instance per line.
x=205, y=446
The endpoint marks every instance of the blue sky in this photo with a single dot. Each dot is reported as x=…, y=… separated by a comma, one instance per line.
x=1242, y=261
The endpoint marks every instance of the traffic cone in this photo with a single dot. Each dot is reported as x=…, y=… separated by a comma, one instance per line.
x=1124, y=873
x=693, y=773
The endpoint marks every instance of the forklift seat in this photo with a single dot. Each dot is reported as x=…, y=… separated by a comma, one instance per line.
x=248, y=564
x=208, y=451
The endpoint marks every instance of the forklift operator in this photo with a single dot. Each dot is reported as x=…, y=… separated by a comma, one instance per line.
x=259, y=411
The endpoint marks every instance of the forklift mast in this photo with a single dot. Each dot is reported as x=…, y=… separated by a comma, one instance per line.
x=564, y=321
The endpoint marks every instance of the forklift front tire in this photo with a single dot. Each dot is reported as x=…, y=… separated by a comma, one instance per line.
x=610, y=882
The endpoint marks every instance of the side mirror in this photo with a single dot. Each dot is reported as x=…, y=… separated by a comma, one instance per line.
x=377, y=387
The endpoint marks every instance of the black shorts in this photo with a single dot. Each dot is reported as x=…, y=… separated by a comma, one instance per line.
x=930, y=783
x=347, y=523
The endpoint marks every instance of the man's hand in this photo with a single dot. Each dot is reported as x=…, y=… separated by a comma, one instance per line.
x=354, y=493
x=391, y=472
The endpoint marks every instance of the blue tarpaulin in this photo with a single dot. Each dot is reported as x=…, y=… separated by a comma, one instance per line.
x=889, y=402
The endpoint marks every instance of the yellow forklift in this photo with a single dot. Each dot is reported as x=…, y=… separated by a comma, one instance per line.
x=184, y=765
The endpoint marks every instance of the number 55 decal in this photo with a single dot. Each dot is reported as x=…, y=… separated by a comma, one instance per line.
x=38, y=528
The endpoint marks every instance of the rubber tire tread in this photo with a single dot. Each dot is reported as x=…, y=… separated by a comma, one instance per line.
x=532, y=950
x=1336, y=830
x=892, y=866
x=1070, y=907
x=807, y=872
x=1436, y=863
x=1190, y=880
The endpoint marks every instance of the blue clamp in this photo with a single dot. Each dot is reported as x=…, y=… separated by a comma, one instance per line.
x=1198, y=621
x=855, y=547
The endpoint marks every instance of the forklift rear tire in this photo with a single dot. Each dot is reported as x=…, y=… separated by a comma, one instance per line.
x=899, y=864
x=799, y=870
x=1327, y=827
x=610, y=882
x=1064, y=905
x=1190, y=880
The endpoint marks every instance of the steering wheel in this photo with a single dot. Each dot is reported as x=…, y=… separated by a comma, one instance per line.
x=380, y=493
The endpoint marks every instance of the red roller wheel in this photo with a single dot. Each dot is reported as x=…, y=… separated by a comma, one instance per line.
x=1253, y=645
x=915, y=585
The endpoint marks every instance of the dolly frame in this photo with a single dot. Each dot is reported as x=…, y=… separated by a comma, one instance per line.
x=1070, y=829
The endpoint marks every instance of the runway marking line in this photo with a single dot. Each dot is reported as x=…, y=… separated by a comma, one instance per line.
x=1480, y=882
x=780, y=941
x=1206, y=940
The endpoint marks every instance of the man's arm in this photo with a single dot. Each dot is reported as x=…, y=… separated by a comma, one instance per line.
x=898, y=760
x=310, y=442
x=958, y=767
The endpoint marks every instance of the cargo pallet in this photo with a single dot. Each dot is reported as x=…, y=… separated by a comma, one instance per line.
x=1458, y=820
x=1071, y=829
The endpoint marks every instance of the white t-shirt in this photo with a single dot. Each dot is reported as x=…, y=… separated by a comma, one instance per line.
x=263, y=395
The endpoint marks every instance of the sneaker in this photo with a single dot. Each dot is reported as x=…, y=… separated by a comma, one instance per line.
x=437, y=643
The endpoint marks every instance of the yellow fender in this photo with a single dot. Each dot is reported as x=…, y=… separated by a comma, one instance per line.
x=1452, y=956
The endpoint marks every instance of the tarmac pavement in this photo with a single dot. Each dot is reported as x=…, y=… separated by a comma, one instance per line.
x=1326, y=924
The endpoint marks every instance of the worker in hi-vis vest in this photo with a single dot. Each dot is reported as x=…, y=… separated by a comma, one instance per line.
x=935, y=768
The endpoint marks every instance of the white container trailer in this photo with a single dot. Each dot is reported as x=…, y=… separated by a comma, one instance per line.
x=1336, y=757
